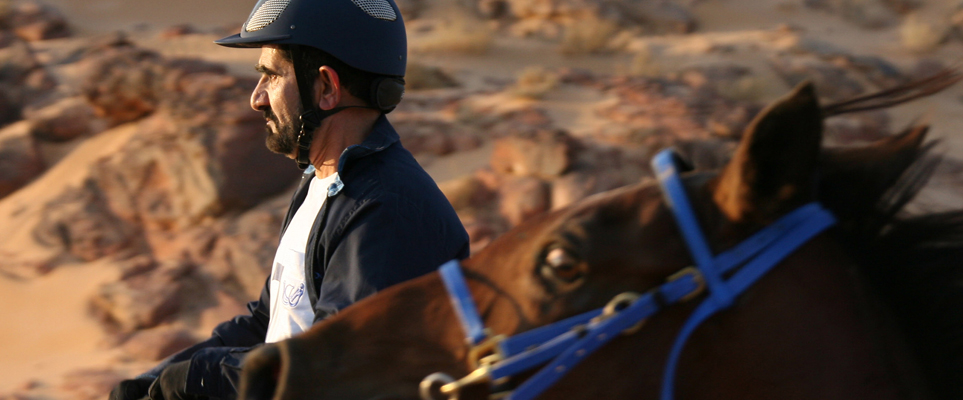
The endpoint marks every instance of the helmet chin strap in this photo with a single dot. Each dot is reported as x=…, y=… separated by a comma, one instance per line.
x=311, y=116
x=310, y=121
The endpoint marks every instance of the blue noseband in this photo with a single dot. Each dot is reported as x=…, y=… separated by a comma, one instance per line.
x=562, y=345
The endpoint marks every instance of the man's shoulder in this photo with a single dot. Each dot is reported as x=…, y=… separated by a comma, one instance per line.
x=392, y=171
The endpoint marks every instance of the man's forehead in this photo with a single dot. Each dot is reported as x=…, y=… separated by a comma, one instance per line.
x=271, y=57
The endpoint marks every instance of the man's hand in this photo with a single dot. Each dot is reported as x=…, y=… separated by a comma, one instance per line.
x=172, y=383
x=131, y=389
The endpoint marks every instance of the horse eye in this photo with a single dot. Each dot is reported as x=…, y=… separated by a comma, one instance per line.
x=561, y=265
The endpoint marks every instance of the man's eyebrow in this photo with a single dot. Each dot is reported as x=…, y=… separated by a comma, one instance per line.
x=265, y=70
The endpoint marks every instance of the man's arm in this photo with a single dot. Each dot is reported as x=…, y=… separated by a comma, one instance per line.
x=227, y=345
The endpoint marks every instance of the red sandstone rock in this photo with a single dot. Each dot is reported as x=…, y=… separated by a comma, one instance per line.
x=542, y=17
x=124, y=83
x=657, y=112
x=90, y=384
x=466, y=192
x=64, y=120
x=868, y=14
x=177, y=31
x=80, y=222
x=20, y=160
x=244, y=251
x=661, y=17
x=23, y=81
x=32, y=21
x=30, y=384
x=427, y=135
x=523, y=120
x=572, y=187
x=857, y=128
x=480, y=234
x=410, y=9
x=522, y=198
x=120, y=83
x=541, y=153
x=143, y=300
x=832, y=83
x=158, y=343
x=137, y=265
x=420, y=76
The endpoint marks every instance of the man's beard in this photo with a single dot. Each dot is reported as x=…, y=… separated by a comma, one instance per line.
x=285, y=140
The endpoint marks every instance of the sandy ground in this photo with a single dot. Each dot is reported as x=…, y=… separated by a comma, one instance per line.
x=47, y=331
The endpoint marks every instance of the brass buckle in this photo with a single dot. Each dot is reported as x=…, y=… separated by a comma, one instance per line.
x=696, y=276
x=487, y=352
x=619, y=302
x=482, y=357
x=451, y=388
x=480, y=375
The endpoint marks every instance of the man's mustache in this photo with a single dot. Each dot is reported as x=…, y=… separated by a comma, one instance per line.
x=269, y=115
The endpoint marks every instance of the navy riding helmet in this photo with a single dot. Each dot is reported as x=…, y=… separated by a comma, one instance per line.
x=366, y=34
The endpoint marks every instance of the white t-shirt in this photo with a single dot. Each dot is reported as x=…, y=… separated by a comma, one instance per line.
x=291, y=309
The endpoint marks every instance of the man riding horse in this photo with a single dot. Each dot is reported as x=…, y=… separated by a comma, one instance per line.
x=365, y=216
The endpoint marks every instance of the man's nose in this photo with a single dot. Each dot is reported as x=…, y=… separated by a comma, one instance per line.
x=259, y=98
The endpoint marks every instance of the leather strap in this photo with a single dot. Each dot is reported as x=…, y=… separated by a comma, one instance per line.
x=461, y=299
x=310, y=114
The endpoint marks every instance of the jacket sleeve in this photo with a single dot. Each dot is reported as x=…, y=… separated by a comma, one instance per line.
x=215, y=361
x=382, y=242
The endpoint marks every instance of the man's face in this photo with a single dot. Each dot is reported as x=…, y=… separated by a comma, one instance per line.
x=276, y=95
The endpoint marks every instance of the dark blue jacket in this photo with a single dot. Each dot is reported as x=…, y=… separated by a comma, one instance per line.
x=388, y=223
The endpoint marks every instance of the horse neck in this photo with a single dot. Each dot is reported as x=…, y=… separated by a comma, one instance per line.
x=810, y=328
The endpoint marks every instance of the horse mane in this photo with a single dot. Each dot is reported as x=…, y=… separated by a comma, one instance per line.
x=914, y=262
x=898, y=95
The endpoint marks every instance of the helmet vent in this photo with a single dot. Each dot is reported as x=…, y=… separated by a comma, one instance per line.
x=265, y=14
x=380, y=9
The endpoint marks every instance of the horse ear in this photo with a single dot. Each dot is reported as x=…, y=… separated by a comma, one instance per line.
x=772, y=170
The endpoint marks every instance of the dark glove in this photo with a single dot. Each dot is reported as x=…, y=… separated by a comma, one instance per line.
x=131, y=389
x=172, y=383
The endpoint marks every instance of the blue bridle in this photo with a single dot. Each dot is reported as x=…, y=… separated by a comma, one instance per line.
x=562, y=345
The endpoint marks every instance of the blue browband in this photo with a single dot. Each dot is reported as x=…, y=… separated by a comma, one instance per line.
x=561, y=345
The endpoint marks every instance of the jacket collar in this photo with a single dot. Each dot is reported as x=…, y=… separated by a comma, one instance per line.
x=382, y=135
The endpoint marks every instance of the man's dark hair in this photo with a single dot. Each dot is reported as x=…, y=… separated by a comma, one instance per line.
x=355, y=81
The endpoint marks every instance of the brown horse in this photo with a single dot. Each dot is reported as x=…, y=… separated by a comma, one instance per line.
x=870, y=309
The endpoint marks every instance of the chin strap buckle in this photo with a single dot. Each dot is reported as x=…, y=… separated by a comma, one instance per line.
x=310, y=120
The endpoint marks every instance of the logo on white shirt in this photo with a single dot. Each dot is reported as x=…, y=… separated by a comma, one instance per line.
x=292, y=295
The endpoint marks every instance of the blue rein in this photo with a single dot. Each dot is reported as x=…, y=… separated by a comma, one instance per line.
x=564, y=344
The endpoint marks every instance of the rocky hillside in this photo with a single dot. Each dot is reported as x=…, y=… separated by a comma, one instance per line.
x=139, y=206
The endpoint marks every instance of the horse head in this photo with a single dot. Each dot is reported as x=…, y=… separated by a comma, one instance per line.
x=813, y=327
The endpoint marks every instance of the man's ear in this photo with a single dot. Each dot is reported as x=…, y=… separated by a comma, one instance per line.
x=327, y=88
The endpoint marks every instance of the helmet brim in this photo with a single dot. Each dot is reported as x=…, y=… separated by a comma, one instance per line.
x=240, y=42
